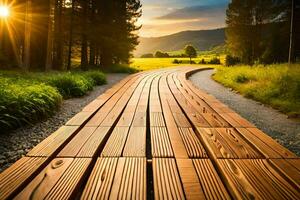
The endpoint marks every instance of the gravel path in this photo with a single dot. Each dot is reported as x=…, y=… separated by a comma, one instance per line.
x=277, y=125
x=17, y=143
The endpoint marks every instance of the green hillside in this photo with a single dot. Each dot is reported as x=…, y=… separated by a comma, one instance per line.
x=203, y=40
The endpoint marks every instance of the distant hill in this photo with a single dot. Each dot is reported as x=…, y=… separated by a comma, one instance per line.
x=203, y=40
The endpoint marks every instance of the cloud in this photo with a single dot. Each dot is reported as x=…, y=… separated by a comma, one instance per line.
x=188, y=18
x=197, y=12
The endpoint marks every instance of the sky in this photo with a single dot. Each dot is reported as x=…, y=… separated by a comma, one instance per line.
x=164, y=17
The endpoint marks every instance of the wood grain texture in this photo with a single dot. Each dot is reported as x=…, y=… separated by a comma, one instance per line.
x=41, y=185
x=95, y=141
x=130, y=180
x=192, y=143
x=18, y=175
x=136, y=143
x=289, y=169
x=282, y=151
x=167, y=184
x=100, y=181
x=79, y=119
x=75, y=145
x=54, y=142
x=211, y=183
x=190, y=181
x=255, y=178
x=157, y=119
x=160, y=142
x=227, y=143
x=115, y=143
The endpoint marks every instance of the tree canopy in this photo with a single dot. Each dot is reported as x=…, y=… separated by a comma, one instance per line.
x=190, y=51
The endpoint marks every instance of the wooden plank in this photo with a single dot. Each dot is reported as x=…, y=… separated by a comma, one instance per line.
x=189, y=179
x=79, y=119
x=100, y=181
x=255, y=178
x=46, y=180
x=94, y=143
x=115, y=143
x=181, y=120
x=140, y=119
x=18, y=175
x=136, y=143
x=52, y=144
x=167, y=183
x=130, y=180
x=166, y=103
x=226, y=143
x=211, y=183
x=75, y=145
x=236, y=121
x=265, y=147
x=192, y=143
x=160, y=142
x=94, y=105
x=285, y=153
x=157, y=119
x=289, y=170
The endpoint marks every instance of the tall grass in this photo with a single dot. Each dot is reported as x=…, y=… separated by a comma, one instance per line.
x=29, y=97
x=277, y=85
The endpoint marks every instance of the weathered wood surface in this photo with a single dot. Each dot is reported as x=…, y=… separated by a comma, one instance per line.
x=155, y=135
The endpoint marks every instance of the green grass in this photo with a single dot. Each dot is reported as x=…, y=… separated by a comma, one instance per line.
x=276, y=85
x=29, y=97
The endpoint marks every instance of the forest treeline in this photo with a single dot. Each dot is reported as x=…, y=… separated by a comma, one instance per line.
x=258, y=30
x=49, y=34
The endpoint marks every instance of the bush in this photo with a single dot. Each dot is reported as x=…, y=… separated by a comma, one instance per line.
x=118, y=68
x=148, y=55
x=71, y=85
x=176, y=61
x=98, y=77
x=241, y=78
x=231, y=61
x=21, y=103
x=160, y=54
x=215, y=61
x=202, y=61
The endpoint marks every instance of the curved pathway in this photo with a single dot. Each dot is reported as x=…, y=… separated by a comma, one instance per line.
x=277, y=125
x=155, y=136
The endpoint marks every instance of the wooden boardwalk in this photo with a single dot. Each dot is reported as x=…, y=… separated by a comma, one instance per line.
x=154, y=135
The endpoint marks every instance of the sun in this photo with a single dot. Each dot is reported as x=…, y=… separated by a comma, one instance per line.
x=4, y=11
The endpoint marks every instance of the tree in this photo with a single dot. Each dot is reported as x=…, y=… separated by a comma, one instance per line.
x=251, y=29
x=191, y=52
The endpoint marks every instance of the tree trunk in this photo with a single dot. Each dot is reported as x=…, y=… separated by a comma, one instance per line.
x=28, y=19
x=84, y=44
x=71, y=36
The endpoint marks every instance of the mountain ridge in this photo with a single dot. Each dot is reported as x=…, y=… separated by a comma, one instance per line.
x=201, y=39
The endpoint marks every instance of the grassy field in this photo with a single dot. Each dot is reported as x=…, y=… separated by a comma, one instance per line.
x=275, y=85
x=157, y=63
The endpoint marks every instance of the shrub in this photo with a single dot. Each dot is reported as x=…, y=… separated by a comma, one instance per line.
x=98, y=77
x=148, y=55
x=241, y=78
x=22, y=103
x=160, y=54
x=230, y=60
x=118, y=68
x=71, y=85
x=215, y=61
x=175, y=61
x=202, y=61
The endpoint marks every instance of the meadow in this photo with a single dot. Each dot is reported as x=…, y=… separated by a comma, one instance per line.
x=277, y=85
x=143, y=64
